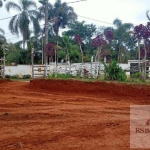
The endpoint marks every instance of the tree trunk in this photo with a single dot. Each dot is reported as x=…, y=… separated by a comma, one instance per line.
x=23, y=44
x=81, y=53
x=99, y=53
x=145, y=61
x=139, y=56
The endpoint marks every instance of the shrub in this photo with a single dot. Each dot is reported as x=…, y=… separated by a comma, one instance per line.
x=7, y=76
x=62, y=76
x=14, y=76
x=27, y=76
x=114, y=72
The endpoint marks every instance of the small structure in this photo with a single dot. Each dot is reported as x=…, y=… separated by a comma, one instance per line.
x=134, y=67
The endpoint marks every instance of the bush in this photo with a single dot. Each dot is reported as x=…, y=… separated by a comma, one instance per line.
x=7, y=76
x=114, y=72
x=27, y=76
x=62, y=76
x=14, y=76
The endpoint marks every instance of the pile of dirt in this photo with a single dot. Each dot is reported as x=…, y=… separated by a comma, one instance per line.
x=74, y=86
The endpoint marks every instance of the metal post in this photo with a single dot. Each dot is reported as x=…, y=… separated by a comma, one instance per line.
x=32, y=61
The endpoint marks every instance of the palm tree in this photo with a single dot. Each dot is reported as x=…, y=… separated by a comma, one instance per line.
x=60, y=15
x=20, y=22
x=1, y=3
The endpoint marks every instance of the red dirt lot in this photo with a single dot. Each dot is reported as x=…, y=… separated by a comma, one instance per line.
x=67, y=114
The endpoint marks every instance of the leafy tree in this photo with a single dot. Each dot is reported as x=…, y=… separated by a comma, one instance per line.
x=67, y=46
x=2, y=40
x=79, y=41
x=142, y=33
x=123, y=41
x=50, y=51
x=86, y=32
x=100, y=41
x=27, y=14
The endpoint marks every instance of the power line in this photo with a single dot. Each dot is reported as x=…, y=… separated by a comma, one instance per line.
x=6, y=18
x=96, y=20
x=66, y=3
x=76, y=1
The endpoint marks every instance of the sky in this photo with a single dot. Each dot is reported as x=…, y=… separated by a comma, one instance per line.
x=129, y=11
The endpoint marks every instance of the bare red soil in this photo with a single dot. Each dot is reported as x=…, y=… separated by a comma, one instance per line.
x=67, y=115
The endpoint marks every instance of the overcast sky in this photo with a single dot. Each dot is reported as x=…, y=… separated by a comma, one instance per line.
x=129, y=11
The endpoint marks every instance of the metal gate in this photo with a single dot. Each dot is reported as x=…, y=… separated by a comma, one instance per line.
x=40, y=71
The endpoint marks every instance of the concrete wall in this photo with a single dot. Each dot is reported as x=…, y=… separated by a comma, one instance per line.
x=19, y=70
x=27, y=69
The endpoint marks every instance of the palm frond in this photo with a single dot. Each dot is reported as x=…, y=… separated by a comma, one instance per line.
x=13, y=25
x=24, y=25
x=28, y=4
x=36, y=14
x=13, y=5
x=1, y=3
x=148, y=15
x=2, y=31
x=36, y=26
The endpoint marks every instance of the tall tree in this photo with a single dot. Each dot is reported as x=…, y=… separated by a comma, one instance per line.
x=142, y=33
x=27, y=14
x=79, y=41
x=60, y=15
x=100, y=41
x=123, y=41
x=86, y=32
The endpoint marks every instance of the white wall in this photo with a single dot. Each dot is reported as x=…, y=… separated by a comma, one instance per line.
x=27, y=69
x=125, y=66
x=19, y=70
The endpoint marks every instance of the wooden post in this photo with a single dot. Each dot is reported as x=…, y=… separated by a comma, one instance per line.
x=32, y=61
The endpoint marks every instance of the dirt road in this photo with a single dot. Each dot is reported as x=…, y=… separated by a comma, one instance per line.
x=67, y=115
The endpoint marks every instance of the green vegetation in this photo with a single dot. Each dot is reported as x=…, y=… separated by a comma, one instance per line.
x=114, y=72
x=60, y=76
x=27, y=76
x=122, y=47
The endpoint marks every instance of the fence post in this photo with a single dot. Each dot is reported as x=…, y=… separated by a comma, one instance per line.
x=32, y=61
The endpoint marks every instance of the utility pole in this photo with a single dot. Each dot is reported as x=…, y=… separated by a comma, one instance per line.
x=45, y=2
x=46, y=29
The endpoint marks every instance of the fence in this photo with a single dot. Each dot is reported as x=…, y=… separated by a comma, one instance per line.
x=76, y=69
